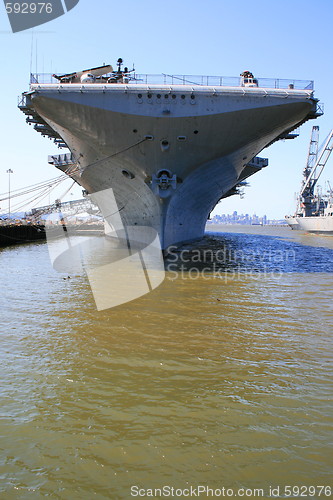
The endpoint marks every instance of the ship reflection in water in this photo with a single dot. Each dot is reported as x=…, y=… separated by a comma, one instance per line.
x=223, y=381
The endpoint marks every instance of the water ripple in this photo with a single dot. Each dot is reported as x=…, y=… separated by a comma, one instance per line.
x=224, y=381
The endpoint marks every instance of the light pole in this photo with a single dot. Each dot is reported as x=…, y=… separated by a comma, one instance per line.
x=9, y=171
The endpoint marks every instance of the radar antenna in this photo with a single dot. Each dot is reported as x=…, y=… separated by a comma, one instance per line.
x=119, y=63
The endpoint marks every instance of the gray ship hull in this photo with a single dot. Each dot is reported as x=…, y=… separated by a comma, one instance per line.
x=169, y=153
x=321, y=224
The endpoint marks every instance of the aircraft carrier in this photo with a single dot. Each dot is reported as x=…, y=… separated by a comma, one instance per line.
x=170, y=147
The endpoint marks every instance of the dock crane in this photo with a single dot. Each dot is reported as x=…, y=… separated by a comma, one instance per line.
x=316, y=162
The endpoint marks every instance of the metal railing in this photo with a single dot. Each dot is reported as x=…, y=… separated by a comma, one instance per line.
x=211, y=81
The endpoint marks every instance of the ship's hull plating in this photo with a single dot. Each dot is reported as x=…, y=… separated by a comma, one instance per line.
x=168, y=153
x=322, y=224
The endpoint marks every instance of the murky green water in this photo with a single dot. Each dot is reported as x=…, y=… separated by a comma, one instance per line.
x=221, y=380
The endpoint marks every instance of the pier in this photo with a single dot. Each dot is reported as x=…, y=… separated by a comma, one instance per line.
x=32, y=227
x=13, y=234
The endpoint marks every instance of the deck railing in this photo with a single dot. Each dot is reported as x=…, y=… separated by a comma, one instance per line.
x=212, y=81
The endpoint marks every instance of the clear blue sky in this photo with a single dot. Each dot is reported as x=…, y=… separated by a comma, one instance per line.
x=285, y=39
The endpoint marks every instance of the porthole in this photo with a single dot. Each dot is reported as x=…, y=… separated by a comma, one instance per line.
x=134, y=131
x=165, y=145
x=183, y=96
x=174, y=96
x=127, y=174
x=166, y=96
x=181, y=138
x=140, y=96
x=195, y=131
x=192, y=96
x=158, y=96
x=149, y=96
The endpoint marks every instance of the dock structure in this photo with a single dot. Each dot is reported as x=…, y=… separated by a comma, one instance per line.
x=13, y=234
x=32, y=228
x=66, y=208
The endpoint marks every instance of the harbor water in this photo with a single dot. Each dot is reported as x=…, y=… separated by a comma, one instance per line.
x=219, y=378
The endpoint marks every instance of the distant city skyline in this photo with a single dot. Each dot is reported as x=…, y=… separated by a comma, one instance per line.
x=236, y=218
